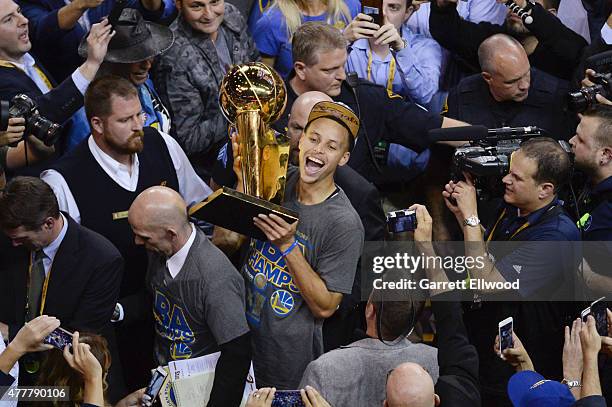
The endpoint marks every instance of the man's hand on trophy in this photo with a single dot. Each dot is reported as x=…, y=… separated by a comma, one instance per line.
x=277, y=230
x=237, y=159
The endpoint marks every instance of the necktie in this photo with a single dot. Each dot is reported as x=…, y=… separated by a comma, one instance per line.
x=37, y=279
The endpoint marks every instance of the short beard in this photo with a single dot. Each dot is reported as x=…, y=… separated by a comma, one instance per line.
x=135, y=144
x=587, y=167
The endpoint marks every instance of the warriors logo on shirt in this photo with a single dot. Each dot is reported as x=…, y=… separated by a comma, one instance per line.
x=270, y=282
x=170, y=323
x=281, y=302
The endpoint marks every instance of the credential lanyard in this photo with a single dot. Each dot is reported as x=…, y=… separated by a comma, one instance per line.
x=390, y=74
x=523, y=227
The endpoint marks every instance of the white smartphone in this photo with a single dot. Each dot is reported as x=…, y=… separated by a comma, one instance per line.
x=585, y=313
x=155, y=385
x=505, y=334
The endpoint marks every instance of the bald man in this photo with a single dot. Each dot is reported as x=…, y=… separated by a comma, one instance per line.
x=409, y=385
x=509, y=92
x=198, y=295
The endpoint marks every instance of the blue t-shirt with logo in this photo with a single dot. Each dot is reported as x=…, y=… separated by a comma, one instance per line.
x=272, y=39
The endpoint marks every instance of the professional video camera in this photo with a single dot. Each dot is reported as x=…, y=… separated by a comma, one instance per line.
x=584, y=98
x=487, y=157
x=36, y=125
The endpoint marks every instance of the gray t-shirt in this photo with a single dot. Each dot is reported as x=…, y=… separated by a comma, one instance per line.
x=286, y=336
x=199, y=309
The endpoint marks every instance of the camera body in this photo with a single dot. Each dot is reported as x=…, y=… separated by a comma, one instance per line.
x=400, y=221
x=584, y=98
x=486, y=163
x=36, y=125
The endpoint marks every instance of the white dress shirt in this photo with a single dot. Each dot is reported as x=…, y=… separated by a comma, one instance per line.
x=27, y=66
x=177, y=260
x=191, y=187
x=51, y=250
x=606, y=34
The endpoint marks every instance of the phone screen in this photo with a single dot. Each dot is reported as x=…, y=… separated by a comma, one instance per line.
x=59, y=338
x=155, y=385
x=505, y=336
x=598, y=310
x=373, y=8
x=287, y=398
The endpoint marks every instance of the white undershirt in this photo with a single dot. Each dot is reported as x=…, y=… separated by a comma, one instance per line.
x=191, y=187
x=177, y=260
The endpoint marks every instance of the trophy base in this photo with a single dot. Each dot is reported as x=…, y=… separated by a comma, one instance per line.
x=235, y=211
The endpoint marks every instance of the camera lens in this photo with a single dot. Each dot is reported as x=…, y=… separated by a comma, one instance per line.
x=584, y=98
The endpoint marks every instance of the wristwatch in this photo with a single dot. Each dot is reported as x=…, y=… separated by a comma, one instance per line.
x=571, y=383
x=471, y=221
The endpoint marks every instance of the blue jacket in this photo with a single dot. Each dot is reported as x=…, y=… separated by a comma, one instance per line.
x=57, y=48
x=57, y=105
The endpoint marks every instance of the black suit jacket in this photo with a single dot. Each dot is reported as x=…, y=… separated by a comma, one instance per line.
x=58, y=105
x=83, y=285
x=458, y=360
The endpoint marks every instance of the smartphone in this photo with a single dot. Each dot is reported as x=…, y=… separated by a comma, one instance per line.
x=59, y=338
x=505, y=334
x=374, y=9
x=287, y=398
x=155, y=385
x=598, y=310
x=585, y=313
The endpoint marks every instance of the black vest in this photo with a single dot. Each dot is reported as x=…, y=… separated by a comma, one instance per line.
x=103, y=204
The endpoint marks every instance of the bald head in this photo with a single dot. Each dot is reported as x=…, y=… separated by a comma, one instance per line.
x=499, y=50
x=505, y=68
x=299, y=117
x=158, y=217
x=409, y=385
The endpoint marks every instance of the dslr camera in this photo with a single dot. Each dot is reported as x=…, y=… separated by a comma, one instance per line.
x=36, y=125
x=584, y=98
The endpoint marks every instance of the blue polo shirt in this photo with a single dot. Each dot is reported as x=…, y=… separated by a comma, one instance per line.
x=540, y=265
x=597, y=229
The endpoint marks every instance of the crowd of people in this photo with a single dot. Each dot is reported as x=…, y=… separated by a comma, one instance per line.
x=112, y=131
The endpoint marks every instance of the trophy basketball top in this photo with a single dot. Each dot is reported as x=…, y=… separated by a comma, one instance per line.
x=252, y=86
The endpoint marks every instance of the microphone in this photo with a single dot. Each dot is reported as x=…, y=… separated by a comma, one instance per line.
x=465, y=133
x=516, y=9
x=480, y=133
x=511, y=132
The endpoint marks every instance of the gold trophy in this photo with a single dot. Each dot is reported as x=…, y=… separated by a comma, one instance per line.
x=251, y=97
